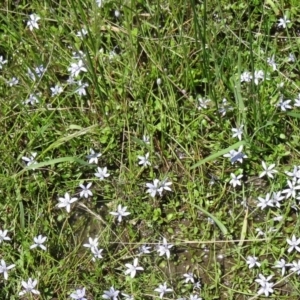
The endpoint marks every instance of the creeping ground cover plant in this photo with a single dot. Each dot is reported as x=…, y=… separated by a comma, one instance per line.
x=149, y=149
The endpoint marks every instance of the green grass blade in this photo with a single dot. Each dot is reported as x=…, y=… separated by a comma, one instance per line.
x=218, y=154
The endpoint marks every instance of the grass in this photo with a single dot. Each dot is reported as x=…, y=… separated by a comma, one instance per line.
x=147, y=66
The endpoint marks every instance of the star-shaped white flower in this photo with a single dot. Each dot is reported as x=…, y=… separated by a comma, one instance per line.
x=132, y=268
x=237, y=132
x=235, y=180
x=102, y=173
x=85, y=190
x=162, y=289
x=264, y=202
x=144, y=160
x=3, y=236
x=78, y=294
x=283, y=22
x=32, y=22
x=76, y=68
x=111, y=294
x=266, y=289
x=153, y=188
x=29, y=287
x=164, y=248
x=93, y=243
x=120, y=213
x=66, y=202
x=39, y=241
x=252, y=262
x=268, y=170
x=294, y=242
x=2, y=62
x=189, y=277
x=56, y=90
x=281, y=264
x=4, y=269
x=93, y=156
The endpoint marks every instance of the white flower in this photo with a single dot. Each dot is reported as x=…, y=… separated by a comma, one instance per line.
x=266, y=289
x=292, y=57
x=294, y=242
x=56, y=90
x=235, y=180
x=164, y=185
x=246, y=76
x=66, y=202
x=102, y=173
x=281, y=265
x=283, y=22
x=85, y=190
x=295, y=267
x=120, y=213
x=297, y=101
x=197, y=285
x=291, y=191
x=32, y=22
x=13, y=81
x=40, y=70
x=264, y=202
x=189, y=277
x=271, y=62
x=252, y=262
x=259, y=232
x=144, y=250
x=144, y=160
x=39, y=241
x=203, y=103
x=93, y=157
x=132, y=268
x=2, y=62
x=278, y=218
x=112, y=54
x=153, y=188
x=277, y=198
x=146, y=139
x=266, y=286
x=29, y=287
x=224, y=107
x=76, y=68
x=81, y=88
x=284, y=104
x=258, y=75
x=234, y=155
x=30, y=160
x=295, y=174
x=162, y=289
x=99, y=2
x=82, y=33
x=78, y=294
x=164, y=248
x=33, y=99
x=4, y=269
x=231, y=154
x=97, y=253
x=111, y=294
x=268, y=170
x=3, y=236
x=127, y=297
x=93, y=243
x=237, y=132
